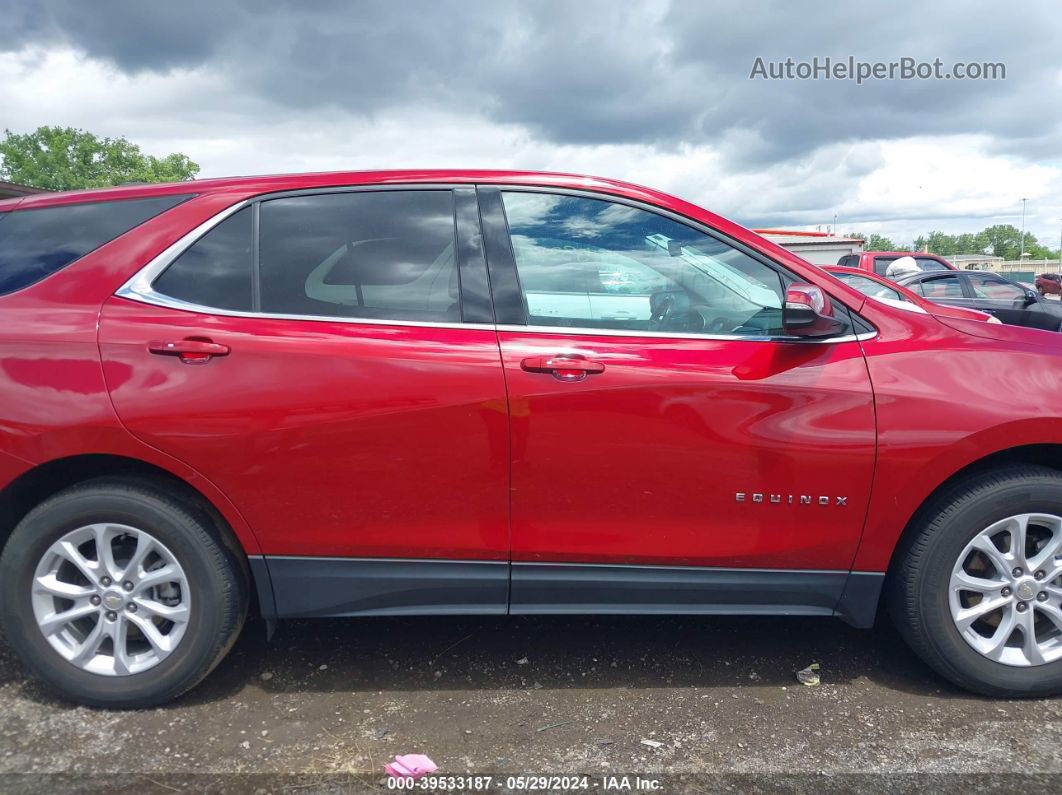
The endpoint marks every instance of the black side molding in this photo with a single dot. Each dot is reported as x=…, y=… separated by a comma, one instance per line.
x=309, y=587
x=579, y=588
x=297, y=587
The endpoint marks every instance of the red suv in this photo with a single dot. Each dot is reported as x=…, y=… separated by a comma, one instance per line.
x=879, y=261
x=459, y=392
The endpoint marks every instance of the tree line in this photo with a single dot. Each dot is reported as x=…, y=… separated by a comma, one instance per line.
x=1000, y=240
x=66, y=158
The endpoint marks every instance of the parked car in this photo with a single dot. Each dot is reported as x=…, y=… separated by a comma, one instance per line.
x=989, y=292
x=879, y=261
x=884, y=290
x=351, y=394
x=1049, y=284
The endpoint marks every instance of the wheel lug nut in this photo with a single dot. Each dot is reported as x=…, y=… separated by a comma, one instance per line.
x=95, y=599
x=105, y=581
x=1017, y=572
x=127, y=585
x=131, y=607
x=1006, y=592
x=1039, y=575
x=1042, y=596
x=1021, y=607
x=112, y=616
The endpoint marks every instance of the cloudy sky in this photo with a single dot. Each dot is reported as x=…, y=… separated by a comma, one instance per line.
x=654, y=92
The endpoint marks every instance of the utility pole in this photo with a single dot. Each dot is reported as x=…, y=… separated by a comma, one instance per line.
x=1022, y=255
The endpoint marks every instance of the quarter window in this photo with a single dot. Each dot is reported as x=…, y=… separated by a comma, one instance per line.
x=385, y=255
x=590, y=263
x=216, y=271
x=37, y=243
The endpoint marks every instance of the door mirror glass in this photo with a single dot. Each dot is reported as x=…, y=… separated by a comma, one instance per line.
x=809, y=312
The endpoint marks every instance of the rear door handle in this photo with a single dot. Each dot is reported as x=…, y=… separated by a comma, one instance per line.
x=563, y=368
x=189, y=351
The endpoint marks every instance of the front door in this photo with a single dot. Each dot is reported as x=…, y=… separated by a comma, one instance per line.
x=658, y=422
x=1010, y=302
x=342, y=400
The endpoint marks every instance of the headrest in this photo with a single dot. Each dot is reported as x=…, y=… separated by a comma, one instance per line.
x=387, y=260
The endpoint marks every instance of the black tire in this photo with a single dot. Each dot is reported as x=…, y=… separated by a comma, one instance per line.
x=218, y=606
x=919, y=582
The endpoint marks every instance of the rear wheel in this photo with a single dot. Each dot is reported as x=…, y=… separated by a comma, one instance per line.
x=978, y=591
x=118, y=595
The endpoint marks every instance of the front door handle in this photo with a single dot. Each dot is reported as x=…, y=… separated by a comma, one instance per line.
x=189, y=351
x=563, y=368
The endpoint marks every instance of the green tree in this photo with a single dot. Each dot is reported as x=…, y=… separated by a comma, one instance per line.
x=63, y=158
x=1005, y=241
x=875, y=242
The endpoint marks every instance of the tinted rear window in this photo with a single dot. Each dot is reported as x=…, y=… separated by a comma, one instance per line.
x=37, y=243
x=217, y=271
x=386, y=255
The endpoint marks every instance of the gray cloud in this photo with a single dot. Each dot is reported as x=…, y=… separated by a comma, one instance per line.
x=596, y=71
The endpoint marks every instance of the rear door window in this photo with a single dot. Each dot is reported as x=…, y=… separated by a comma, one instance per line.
x=387, y=255
x=36, y=243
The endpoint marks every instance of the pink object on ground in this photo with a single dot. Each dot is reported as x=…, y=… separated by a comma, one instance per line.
x=410, y=766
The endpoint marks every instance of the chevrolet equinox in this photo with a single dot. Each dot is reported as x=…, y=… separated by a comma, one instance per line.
x=487, y=392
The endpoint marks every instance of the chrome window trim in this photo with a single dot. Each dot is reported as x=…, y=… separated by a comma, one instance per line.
x=139, y=286
x=596, y=332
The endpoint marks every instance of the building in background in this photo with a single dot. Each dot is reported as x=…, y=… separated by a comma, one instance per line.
x=975, y=262
x=9, y=190
x=818, y=248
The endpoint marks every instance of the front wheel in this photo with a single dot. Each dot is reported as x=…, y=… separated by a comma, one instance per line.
x=977, y=592
x=118, y=595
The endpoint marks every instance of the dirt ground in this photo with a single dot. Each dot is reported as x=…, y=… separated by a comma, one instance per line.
x=333, y=700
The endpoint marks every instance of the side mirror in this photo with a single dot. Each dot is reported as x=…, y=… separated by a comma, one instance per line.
x=809, y=313
x=1030, y=298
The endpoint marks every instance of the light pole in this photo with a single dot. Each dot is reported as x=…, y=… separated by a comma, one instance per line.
x=1020, y=256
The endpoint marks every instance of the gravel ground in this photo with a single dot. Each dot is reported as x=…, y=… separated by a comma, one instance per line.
x=333, y=700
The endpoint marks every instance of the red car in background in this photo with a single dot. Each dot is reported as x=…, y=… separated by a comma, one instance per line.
x=881, y=288
x=493, y=392
x=1049, y=284
x=878, y=261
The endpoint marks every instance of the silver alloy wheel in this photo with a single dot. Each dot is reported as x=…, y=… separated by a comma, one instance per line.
x=111, y=599
x=1005, y=591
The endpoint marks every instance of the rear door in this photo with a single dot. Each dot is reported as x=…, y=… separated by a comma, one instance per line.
x=681, y=455
x=329, y=361
x=949, y=289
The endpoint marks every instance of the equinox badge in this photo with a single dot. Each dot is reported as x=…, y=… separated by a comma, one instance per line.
x=790, y=499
